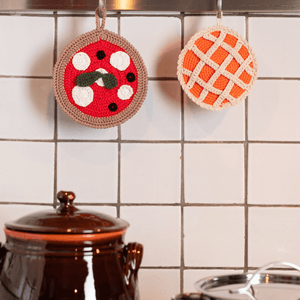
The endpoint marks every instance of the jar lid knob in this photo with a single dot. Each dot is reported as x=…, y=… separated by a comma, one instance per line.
x=66, y=203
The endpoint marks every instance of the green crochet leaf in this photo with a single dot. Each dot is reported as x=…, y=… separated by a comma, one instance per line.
x=87, y=79
x=109, y=80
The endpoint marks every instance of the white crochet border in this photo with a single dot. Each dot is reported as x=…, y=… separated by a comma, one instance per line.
x=205, y=59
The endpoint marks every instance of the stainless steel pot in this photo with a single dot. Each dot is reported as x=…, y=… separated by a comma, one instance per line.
x=257, y=286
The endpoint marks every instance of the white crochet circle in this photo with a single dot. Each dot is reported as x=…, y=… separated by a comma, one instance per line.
x=100, y=81
x=120, y=60
x=83, y=96
x=125, y=92
x=81, y=61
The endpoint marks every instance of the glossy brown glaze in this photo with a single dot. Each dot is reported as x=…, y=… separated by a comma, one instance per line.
x=51, y=265
x=67, y=219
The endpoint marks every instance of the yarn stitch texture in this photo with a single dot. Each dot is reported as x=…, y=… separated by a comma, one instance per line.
x=92, y=78
x=217, y=68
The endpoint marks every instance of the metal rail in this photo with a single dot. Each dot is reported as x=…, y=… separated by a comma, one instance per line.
x=154, y=5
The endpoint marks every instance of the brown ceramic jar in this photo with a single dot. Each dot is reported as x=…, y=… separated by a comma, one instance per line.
x=68, y=254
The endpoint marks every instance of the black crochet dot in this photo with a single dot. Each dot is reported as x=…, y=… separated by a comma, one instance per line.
x=100, y=54
x=112, y=107
x=130, y=77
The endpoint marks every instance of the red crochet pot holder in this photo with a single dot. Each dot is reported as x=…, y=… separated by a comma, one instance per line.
x=100, y=79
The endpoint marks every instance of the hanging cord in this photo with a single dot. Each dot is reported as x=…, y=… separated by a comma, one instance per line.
x=219, y=12
x=100, y=13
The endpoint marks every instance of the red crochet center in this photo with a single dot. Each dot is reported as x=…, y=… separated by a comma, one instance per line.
x=102, y=96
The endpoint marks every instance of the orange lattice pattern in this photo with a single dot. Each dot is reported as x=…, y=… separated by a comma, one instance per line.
x=217, y=68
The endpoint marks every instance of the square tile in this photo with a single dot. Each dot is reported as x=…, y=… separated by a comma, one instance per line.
x=192, y=276
x=276, y=43
x=272, y=235
x=158, y=284
x=159, y=118
x=90, y=170
x=214, y=173
x=205, y=125
x=27, y=172
x=68, y=129
x=214, y=236
x=159, y=48
x=158, y=230
x=29, y=45
x=273, y=110
x=27, y=108
x=13, y=212
x=69, y=28
x=150, y=173
x=194, y=24
x=274, y=174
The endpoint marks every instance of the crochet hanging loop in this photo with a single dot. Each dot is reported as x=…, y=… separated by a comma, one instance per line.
x=100, y=13
x=219, y=12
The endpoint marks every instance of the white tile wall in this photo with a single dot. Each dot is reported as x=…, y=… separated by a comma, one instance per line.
x=27, y=172
x=158, y=229
x=160, y=116
x=159, y=284
x=274, y=173
x=27, y=108
x=150, y=173
x=29, y=46
x=214, y=236
x=206, y=193
x=276, y=43
x=89, y=168
x=158, y=48
x=273, y=111
x=206, y=125
x=272, y=235
x=214, y=173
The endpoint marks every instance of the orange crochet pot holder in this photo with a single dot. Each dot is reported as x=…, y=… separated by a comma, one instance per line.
x=100, y=79
x=217, y=68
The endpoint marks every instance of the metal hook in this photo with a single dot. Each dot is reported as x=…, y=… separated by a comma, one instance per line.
x=219, y=11
x=102, y=3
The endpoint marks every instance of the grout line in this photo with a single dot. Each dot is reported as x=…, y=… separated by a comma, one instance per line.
x=278, y=78
x=162, y=78
x=165, y=204
x=159, y=268
x=244, y=14
x=91, y=15
x=182, y=194
x=55, y=202
x=25, y=77
x=149, y=78
x=119, y=23
x=119, y=147
x=147, y=141
x=22, y=14
x=25, y=203
x=246, y=165
x=213, y=268
x=177, y=15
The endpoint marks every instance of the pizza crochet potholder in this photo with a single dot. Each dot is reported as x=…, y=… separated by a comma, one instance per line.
x=217, y=68
x=100, y=79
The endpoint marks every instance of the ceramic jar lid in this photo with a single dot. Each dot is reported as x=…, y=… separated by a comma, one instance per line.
x=67, y=219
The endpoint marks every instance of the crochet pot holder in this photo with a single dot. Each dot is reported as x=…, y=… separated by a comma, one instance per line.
x=217, y=68
x=100, y=79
